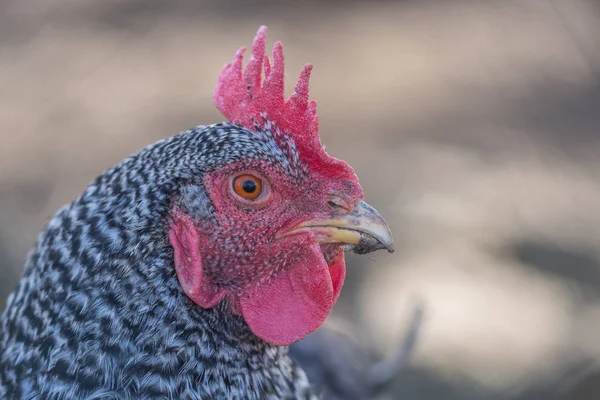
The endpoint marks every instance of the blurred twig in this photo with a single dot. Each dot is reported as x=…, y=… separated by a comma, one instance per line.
x=341, y=368
x=382, y=373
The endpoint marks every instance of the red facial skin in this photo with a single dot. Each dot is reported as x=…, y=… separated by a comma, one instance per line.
x=284, y=287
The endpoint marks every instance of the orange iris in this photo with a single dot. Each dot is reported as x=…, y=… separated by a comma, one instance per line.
x=247, y=186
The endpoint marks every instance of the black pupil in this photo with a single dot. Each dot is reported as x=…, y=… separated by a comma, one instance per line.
x=249, y=186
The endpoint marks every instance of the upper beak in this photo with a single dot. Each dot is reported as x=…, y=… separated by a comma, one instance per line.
x=363, y=228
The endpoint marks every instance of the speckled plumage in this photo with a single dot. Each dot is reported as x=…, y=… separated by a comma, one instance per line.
x=99, y=312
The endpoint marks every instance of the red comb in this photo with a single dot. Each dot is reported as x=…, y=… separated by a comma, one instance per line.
x=242, y=98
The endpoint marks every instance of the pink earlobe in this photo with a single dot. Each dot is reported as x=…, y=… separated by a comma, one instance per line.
x=186, y=243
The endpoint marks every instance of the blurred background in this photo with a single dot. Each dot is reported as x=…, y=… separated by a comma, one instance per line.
x=474, y=127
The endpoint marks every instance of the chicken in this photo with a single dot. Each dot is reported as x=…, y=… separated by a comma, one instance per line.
x=185, y=271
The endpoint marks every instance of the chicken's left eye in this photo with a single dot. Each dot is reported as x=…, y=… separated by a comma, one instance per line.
x=247, y=186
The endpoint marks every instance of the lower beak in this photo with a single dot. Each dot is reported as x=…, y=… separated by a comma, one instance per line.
x=363, y=228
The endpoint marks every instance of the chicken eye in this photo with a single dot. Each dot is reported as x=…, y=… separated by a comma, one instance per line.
x=247, y=186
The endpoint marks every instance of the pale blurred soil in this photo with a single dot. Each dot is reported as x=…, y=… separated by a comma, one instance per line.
x=473, y=125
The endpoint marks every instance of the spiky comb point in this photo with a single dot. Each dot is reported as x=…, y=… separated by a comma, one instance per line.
x=243, y=98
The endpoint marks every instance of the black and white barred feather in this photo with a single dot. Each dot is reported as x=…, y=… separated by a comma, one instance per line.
x=99, y=312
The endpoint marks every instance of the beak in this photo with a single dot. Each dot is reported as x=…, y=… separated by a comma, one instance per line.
x=363, y=228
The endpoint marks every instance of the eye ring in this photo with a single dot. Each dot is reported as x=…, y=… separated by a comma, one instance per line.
x=247, y=186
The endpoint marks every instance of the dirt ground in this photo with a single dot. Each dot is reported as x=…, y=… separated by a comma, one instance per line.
x=474, y=127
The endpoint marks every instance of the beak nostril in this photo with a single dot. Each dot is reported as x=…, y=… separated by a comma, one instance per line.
x=339, y=204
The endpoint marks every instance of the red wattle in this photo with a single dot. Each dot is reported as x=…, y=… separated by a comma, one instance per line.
x=292, y=304
x=281, y=311
x=337, y=270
